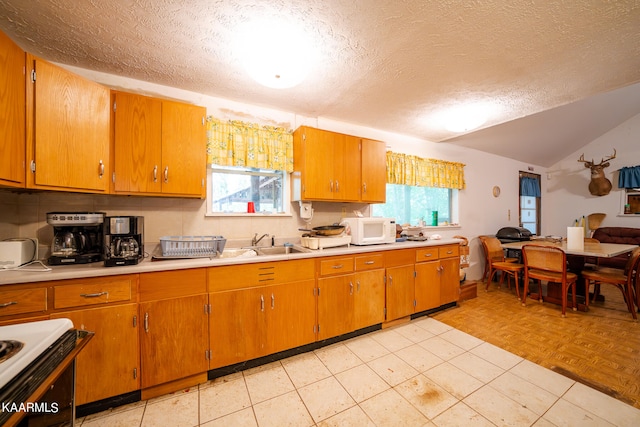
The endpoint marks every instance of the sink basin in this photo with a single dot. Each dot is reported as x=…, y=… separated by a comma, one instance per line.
x=279, y=250
x=236, y=252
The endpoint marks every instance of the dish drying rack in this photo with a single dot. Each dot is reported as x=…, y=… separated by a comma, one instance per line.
x=192, y=246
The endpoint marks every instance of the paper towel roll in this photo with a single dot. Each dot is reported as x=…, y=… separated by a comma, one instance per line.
x=575, y=238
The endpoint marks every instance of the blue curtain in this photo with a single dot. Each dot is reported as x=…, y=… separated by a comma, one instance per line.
x=629, y=177
x=529, y=187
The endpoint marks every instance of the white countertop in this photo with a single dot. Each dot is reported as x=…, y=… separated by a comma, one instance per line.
x=97, y=269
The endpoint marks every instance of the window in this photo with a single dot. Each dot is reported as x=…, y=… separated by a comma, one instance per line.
x=232, y=188
x=410, y=204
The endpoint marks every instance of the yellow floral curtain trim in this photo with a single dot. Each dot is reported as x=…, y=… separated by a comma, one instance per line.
x=235, y=143
x=412, y=170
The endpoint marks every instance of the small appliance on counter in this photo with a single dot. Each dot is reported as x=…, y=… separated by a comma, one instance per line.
x=123, y=240
x=77, y=237
x=17, y=251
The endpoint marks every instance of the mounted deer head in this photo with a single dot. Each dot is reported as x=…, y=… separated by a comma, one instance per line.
x=599, y=185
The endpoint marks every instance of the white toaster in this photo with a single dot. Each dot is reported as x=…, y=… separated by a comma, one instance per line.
x=16, y=252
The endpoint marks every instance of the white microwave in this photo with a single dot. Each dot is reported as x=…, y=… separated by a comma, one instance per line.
x=370, y=231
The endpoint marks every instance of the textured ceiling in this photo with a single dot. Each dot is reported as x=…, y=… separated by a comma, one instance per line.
x=391, y=65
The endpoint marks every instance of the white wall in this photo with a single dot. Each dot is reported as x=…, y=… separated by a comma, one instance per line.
x=567, y=196
x=480, y=213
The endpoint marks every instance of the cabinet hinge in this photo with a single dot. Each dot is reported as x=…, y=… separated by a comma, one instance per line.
x=33, y=76
x=207, y=309
x=304, y=136
x=415, y=274
x=385, y=279
x=135, y=321
x=202, y=184
x=203, y=120
x=113, y=177
x=135, y=373
x=415, y=303
x=32, y=166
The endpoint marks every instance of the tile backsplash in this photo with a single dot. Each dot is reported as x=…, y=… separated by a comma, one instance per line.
x=23, y=214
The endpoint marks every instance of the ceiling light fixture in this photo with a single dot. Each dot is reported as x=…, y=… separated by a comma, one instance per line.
x=276, y=54
x=466, y=117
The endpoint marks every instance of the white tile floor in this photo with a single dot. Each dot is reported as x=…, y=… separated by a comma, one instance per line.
x=423, y=373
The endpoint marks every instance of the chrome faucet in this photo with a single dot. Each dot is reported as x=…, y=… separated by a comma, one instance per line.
x=255, y=240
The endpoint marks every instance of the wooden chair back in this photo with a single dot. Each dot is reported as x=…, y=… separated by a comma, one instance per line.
x=546, y=258
x=493, y=249
x=633, y=262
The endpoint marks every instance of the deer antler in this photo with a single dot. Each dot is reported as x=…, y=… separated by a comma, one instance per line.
x=587, y=163
x=609, y=158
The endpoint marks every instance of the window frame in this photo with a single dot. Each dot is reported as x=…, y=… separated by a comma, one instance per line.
x=286, y=194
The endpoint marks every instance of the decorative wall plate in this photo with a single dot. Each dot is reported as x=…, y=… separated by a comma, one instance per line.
x=496, y=191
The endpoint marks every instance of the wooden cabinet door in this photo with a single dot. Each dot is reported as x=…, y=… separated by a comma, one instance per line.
x=71, y=130
x=137, y=144
x=236, y=326
x=346, y=171
x=335, y=306
x=318, y=163
x=12, y=113
x=400, y=291
x=449, y=280
x=427, y=285
x=374, y=171
x=183, y=149
x=174, y=339
x=109, y=364
x=369, y=300
x=291, y=315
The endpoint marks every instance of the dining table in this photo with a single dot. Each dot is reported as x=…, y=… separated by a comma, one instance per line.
x=576, y=258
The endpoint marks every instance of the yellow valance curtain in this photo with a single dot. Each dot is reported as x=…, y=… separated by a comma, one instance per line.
x=412, y=170
x=236, y=143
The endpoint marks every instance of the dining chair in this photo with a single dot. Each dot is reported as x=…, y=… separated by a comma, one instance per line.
x=548, y=263
x=496, y=261
x=626, y=280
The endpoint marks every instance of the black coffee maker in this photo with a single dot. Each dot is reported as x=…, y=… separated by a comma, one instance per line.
x=123, y=240
x=77, y=237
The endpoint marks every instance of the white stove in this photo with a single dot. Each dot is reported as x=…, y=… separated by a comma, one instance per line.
x=36, y=337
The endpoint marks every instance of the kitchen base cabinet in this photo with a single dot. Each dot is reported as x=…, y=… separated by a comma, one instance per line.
x=174, y=333
x=400, y=292
x=449, y=274
x=109, y=365
x=427, y=285
x=369, y=301
x=335, y=305
x=437, y=276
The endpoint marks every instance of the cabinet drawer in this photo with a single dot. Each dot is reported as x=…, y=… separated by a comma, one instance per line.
x=23, y=301
x=427, y=254
x=264, y=273
x=91, y=293
x=449, y=251
x=336, y=266
x=369, y=262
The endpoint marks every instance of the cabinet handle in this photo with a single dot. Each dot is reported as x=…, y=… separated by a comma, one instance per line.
x=96, y=295
x=166, y=174
x=331, y=186
x=337, y=267
x=350, y=288
x=273, y=302
x=369, y=262
x=390, y=280
x=358, y=285
x=441, y=268
x=146, y=322
x=155, y=173
x=364, y=187
x=427, y=255
x=261, y=303
x=449, y=252
x=337, y=187
x=101, y=170
x=7, y=304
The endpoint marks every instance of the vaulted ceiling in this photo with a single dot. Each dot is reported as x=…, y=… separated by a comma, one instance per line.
x=554, y=74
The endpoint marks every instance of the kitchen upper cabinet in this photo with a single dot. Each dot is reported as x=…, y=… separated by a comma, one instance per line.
x=329, y=166
x=174, y=338
x=12, y=113
x=159, y=147
x=110, y=364
x=374, y=171
x=67, y=124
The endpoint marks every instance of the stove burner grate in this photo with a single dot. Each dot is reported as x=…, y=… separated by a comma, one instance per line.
x=9, y=348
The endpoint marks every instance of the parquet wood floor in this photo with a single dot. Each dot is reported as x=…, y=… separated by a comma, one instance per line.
x=600, y=348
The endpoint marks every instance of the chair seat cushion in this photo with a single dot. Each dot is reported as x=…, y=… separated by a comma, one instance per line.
x=551, y=276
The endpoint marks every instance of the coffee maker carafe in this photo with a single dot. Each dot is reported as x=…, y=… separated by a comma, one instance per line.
x=77, y=237
x=123, y=240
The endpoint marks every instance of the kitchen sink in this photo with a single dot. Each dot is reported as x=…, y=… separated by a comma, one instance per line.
x=279, y=250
